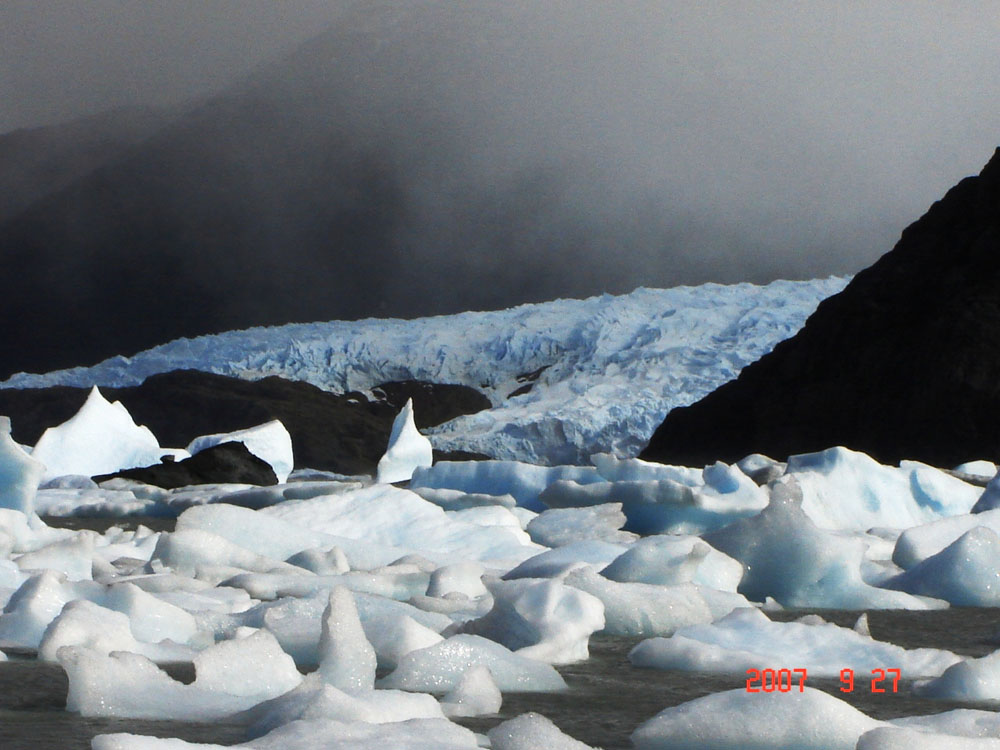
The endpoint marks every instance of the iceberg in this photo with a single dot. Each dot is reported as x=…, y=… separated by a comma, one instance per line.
x=407, y=450
x=101, y=438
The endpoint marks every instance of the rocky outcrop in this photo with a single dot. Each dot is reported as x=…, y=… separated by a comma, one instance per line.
x=221, y=464
x=347, y=433
x=903, y=363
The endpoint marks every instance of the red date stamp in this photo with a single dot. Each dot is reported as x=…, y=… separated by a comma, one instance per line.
x=785, y=680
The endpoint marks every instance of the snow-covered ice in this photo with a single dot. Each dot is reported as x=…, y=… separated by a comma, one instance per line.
x=611, y=366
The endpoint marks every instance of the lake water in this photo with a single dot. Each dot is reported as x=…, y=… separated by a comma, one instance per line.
x=607, y=700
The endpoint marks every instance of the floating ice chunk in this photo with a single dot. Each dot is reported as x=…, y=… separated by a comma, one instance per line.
x=20, y=473
x=316, y=700
x=636, y=609
x=524, y=482
x=615, y=469
x=558, y=562
x=383, y=516
x=990, y=499
x=252, y=665
x=560, y=526
x=920, y=542
x=670, y=559
x=980, y=468
x=738, y=720
x=966, y=573
x=73, y=557
x=407, y=450
x=31, y=608
x=896, y=738
x=129, y=685
x=787, y=557
x=458, y=500
x=747, y=639
x=439, y=668
x=845, y=489
x=331, y=561
x=83, y=623
x=151, y=619
x=346, y=657
x=270, y=442
x=541, y=619
x=414, y=734
x=662, y=505
x=395, y=636
x=475, y=695
x=193, y=551
x=101, y=438
x=532, y=731
x=961, y=722
x=261, y=532
x=968, y=681
x=463, y=578
x=393, y=628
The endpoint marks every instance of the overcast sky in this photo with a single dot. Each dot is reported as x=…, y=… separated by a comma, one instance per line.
x=827, y=124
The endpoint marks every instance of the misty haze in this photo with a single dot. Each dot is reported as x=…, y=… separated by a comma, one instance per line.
x=432, y=157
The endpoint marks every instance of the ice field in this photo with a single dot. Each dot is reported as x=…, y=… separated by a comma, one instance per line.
x=593, y=376
x=354, y=613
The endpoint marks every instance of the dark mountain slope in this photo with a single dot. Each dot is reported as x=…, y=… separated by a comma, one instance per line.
x=417, y=158
x=345, y=433
x=35, y=162
x=903, y=363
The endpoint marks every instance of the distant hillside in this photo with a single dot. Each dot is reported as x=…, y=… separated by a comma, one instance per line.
x=417, y=158
x=903, y=363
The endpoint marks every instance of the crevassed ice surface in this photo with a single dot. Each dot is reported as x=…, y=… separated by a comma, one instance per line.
x=615, y=365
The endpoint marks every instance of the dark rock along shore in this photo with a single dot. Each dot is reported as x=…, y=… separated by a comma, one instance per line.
x=346, y=433
x=903, y=363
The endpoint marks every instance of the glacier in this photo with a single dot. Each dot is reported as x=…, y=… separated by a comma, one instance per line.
x=567, y=378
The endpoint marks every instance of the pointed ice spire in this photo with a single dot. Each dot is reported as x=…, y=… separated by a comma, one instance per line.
x=407, y=449
x=346, y=656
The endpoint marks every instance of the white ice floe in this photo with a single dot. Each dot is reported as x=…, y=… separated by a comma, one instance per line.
x=970, y=680
x=672, y=559
x=20, y=473
x=845, y=489
x=389, y=517
x=439, y=668
x=407, y=449
x=966, y=573
x=747, y=639
x=560, y=526
x=532, y=731
x=270, y=442
x=523, y=481
x=917, y=543
x=687, y=502
x=541, y=619
x=898, y=738
x=101, y=438
x=476, y=694
x=738, y=720
x=230, y=676
x=636, y=609
x=959, y=722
